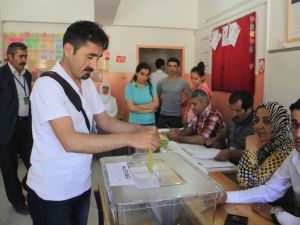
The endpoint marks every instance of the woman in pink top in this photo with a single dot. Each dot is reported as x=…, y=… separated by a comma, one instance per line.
x=198, y=82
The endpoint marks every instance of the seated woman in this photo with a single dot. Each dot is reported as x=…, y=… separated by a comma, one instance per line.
x=266, y=149
x=109, y=101
x=141, y=97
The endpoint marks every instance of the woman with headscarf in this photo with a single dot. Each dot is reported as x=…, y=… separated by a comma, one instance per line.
x=109, y=101
x=267, y=148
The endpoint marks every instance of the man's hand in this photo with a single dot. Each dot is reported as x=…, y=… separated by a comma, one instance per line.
x=223, y=155
x=145, y=138
x=173, y=135
x=211, y=142
x=262, y=209
x=253, y=143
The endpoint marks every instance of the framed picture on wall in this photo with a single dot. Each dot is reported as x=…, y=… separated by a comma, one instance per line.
x=293, y=20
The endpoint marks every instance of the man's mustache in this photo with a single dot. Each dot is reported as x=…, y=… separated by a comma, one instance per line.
x=22, y=64
x=87, y=75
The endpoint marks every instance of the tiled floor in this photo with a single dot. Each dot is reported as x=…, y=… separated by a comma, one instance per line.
x=8, y=215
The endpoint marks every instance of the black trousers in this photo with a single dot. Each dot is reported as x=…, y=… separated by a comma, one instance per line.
x=20, y=144
x=169, y=121
x=73, y=211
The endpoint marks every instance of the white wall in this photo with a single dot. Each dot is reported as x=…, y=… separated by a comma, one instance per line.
x=158, y=13
x=123, y=41
x=282, y=79
x=226, y=11
x=54, y=11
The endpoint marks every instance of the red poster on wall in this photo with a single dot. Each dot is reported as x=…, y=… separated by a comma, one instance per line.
x=233, y=55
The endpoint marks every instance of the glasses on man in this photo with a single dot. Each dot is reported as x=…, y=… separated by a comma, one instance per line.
x=105, y=87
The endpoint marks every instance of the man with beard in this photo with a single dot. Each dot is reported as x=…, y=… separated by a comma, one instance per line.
x=15, y=123
x=286, y=176
x=59, y=178
x=241, y=106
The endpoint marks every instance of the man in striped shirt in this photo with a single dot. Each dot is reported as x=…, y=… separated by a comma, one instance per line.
x=206, y=123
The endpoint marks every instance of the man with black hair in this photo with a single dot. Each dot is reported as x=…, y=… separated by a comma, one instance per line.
x=172, y=90
x=60, y=176
x=156, y=76
x=286, y=176
x=15, y=123
x=159, y=74
x=241, y=106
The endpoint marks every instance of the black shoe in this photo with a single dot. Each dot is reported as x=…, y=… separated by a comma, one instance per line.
x=22, y=209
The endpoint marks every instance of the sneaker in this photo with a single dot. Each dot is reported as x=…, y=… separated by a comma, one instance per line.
x=22, y=209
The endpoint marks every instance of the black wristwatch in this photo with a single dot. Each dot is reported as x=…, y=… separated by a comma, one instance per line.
x=274, y=213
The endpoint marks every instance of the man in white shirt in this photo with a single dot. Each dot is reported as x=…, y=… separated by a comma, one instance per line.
x=288, y=175
x=159, y=73
x=59, y=177
x=156, y=76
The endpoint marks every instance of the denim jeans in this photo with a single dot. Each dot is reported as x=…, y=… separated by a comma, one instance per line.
x=73, y=211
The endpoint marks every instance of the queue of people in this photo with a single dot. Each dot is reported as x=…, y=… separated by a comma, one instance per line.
x=43, y=124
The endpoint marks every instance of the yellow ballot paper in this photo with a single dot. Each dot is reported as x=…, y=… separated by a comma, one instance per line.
x=150, y=160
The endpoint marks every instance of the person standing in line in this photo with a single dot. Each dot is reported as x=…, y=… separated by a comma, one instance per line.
x=109, y=101
x=171, y=91
x=15, y=123
x=141, y=97
x=59, y=178
x=156, y=76
x=159, y=74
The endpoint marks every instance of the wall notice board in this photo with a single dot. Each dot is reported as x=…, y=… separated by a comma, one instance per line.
x=233, y=55
x=43, y=49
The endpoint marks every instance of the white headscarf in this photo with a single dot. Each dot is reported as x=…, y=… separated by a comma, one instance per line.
x=105, y=98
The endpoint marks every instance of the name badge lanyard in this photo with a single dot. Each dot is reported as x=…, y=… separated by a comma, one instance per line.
x=22, y=85
x=26, y=98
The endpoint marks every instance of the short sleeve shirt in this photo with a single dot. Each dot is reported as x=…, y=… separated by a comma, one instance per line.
x=56, y=174
x=208, y=124
x=171, y=94
x=140, y=96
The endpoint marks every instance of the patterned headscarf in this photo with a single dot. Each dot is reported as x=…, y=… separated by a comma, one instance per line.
x=281, y=137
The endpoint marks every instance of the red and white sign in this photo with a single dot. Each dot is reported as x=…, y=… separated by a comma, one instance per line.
x=261, y=66
x=121, y=59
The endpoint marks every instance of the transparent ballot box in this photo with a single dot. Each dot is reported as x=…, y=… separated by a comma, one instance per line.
x=174, y=192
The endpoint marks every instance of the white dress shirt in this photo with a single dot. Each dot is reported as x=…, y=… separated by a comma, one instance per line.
x=22, y=90
x=287, y=175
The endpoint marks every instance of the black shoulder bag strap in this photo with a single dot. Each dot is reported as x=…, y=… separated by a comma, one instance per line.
x=70, y=92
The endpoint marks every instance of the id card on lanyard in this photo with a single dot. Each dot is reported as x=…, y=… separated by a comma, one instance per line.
x=26, y=98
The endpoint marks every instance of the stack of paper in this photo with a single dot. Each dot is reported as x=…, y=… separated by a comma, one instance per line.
x=205, y=156
x=199, y=151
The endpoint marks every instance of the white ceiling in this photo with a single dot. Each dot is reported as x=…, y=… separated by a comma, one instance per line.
x=105, y=11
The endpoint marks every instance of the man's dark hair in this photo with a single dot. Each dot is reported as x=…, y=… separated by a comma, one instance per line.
x=244, y=96
x=13, y=47
x=295, y=105
x=81, y=32
x=159, y=63
x=199, y=94
x=173, y=59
